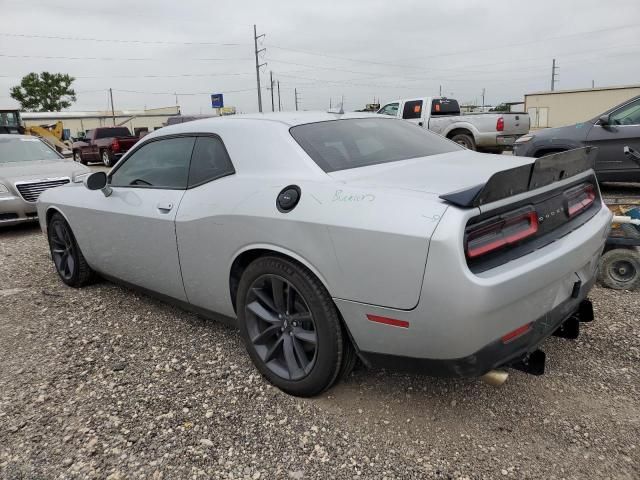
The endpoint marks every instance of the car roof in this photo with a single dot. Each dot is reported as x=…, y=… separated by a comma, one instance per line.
x=17, y=135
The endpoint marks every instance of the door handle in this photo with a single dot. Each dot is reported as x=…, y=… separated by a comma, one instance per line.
x=165, y=207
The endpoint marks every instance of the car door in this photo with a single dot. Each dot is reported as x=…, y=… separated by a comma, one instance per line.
x=623, y=129
x=412, y=111
x=205, y=232
x=133, y=235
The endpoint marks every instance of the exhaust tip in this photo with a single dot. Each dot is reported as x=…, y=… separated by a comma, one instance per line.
x=495, y=377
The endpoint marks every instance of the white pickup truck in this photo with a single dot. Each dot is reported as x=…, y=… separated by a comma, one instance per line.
x=490, y=131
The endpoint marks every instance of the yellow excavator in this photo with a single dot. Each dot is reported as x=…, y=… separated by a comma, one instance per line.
x=10, y=122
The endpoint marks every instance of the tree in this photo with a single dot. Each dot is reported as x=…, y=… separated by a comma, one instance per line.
x=501, y=108
x=44, y=92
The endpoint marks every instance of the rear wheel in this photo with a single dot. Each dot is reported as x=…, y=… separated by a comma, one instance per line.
x=620, y=269
x=107, y=158
x=464, y=140
x=290, y=326
x=66, y=254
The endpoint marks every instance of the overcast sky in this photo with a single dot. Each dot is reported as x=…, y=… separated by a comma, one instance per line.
x=362, y=49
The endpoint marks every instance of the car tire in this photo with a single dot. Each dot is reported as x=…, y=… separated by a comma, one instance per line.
x=76, y=156
x=620, y=269
x=290, y=326
x=464, y=140
x=67, y=257
x=107, y=158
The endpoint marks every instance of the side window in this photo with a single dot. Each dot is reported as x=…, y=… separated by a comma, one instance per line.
x=389, y=109
x=412, y=109
x=157, y=164
x=210, y=160
x=627, y=115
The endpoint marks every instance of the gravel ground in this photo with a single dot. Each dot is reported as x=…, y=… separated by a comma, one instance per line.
x=105, y=383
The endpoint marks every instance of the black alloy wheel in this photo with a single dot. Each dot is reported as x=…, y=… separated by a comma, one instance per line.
x=291, y=328
x=66, y=254
x=281, y=327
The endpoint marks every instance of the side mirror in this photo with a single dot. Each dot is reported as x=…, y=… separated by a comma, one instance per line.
x=603, y=120
x=98, y=181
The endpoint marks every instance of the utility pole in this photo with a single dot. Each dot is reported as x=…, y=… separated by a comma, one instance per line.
x=483, y=92
x=330, y=107
x=273, y=107
x=176, y=98
x=553, y=75
x=279, y=104
x=258, y=64
x=113, y=113
x=593, y=84
x=295, y=92
x=440, y=91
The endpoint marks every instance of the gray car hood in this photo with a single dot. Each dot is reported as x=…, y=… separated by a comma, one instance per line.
x=40, y=169
x=577, y=131
x=436, y=174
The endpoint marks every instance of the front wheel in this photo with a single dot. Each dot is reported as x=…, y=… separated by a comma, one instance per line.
x=66, y=254
x=464, y=140
x=290, y=326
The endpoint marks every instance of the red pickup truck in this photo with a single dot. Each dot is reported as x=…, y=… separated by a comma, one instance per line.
x=103, y=144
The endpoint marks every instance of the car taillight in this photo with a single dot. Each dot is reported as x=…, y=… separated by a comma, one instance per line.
x=501, y=231
x=115, y=145
x=579, y=199
x=500, y=124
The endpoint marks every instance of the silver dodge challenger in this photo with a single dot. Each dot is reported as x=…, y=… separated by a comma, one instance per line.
x=328, y=238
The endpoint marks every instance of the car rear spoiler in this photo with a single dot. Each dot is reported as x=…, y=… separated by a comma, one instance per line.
x=506, y=183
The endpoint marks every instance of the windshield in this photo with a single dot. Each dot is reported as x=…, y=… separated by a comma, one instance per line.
x=25, y=149
x=352, y=143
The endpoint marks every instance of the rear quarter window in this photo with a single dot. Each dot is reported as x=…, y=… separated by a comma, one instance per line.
x=352, y=143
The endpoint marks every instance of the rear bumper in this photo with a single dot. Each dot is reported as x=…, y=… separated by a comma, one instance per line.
x=15, y=210
x=494, y=355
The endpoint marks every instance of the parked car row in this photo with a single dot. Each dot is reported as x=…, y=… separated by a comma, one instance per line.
x=520, y=238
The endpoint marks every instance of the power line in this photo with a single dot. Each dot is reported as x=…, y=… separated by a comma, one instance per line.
x=119, y=40
x=181, y=93
x=57, y=57
x=459, y=52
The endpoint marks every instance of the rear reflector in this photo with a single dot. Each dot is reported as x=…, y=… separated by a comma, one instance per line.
x=516, y=333
x=388, y=321
x=500, y=231
x=579, y=199
x=500, y=124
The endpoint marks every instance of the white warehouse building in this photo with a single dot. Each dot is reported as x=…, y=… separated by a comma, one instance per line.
x=138, y=121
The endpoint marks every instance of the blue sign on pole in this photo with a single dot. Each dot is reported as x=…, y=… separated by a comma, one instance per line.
x=216, y=100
